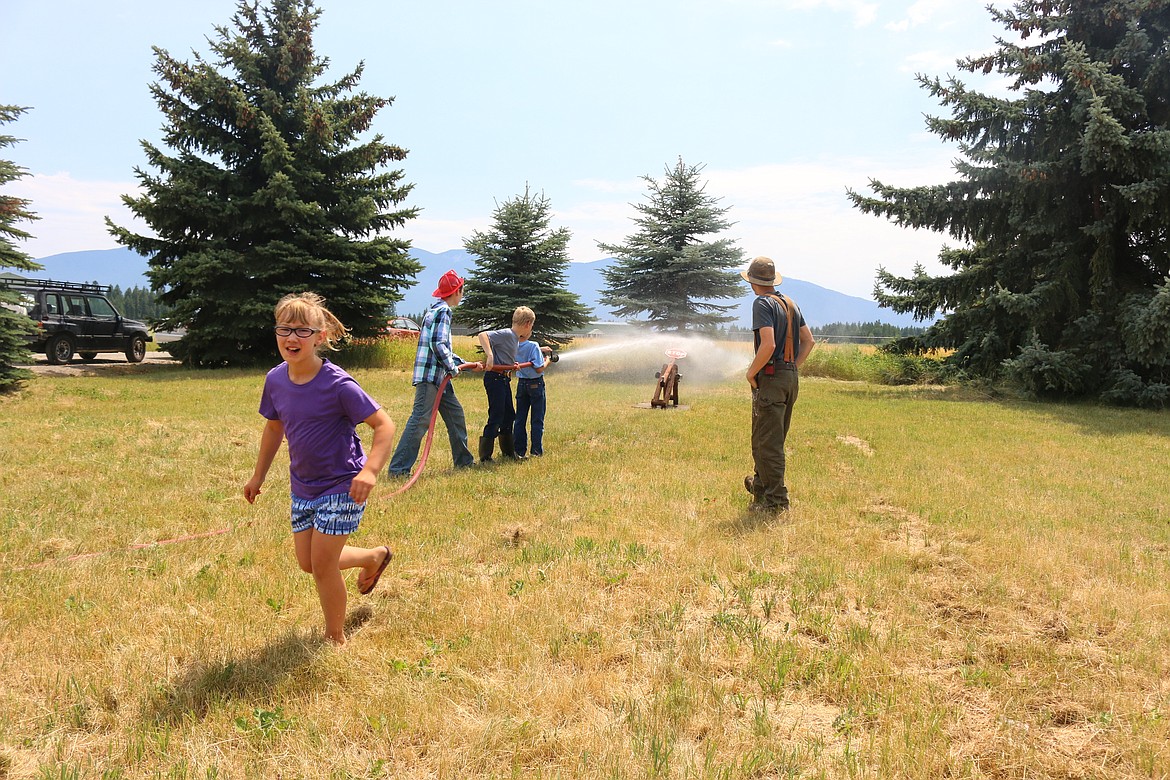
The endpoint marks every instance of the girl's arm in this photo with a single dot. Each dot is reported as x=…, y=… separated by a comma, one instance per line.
x=363, y=483
x=270, y=442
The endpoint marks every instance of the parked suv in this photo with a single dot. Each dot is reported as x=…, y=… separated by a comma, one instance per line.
x=75, y=317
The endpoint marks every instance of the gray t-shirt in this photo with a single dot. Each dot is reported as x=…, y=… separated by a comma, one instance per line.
x=503, y=343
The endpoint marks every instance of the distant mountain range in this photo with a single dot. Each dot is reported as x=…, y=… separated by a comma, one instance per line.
x=820, y=305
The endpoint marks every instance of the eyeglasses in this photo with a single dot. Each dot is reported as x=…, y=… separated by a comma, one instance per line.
x=304, y=333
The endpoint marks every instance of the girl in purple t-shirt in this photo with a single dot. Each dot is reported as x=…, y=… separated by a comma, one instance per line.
x=317, y=407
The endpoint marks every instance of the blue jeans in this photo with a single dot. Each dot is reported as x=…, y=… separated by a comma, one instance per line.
x=529, y=396
x=501, y=413
x=406, y=453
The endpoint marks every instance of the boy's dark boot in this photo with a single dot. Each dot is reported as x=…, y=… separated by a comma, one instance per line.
x=486, y=446
x=508, y=446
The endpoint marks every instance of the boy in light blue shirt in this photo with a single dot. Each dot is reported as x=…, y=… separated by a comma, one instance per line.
x=530, y=397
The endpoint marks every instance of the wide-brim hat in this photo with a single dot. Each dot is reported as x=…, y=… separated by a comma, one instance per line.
x=762, y=271
x=449, y=284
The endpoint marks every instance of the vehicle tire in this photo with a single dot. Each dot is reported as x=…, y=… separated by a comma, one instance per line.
x=87, y=356
x=136, y=351
x=59, y=350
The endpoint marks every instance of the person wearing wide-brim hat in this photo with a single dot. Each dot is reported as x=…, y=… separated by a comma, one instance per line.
x=433, y=362
x=782, y=342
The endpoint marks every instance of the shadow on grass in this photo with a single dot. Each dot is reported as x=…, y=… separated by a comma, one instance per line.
x=254, y=678
x=749, y=521
x=204, y=683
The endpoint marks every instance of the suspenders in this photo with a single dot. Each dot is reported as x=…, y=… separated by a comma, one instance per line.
x=790, y=336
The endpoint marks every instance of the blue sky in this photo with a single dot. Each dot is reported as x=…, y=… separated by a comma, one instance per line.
x=785, y=102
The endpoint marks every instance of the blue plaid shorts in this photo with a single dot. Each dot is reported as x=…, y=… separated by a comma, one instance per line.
x=335, y=514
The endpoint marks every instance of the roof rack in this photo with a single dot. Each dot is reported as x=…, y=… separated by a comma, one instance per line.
x=14, y=283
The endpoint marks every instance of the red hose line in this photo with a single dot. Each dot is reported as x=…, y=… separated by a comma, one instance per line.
x=426, y=453
x=191, y=537
x=434, y=414
x=139, y=546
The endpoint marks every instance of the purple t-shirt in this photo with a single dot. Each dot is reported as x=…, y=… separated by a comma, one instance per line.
x=320, y=418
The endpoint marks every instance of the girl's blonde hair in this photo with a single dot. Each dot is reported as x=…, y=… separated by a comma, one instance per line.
x=309, y=308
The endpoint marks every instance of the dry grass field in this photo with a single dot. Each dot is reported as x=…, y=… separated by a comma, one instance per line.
x=966, y=588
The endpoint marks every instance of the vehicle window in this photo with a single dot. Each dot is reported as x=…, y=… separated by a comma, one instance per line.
x=100, y=307
x=75, y=305
x=52, y=304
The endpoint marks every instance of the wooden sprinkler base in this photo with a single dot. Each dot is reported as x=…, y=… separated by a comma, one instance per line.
x=666, y=391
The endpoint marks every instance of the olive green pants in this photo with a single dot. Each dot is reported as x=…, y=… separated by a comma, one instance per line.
x=772, y=403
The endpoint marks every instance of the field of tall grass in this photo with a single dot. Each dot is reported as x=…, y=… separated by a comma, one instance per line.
x=965, y=588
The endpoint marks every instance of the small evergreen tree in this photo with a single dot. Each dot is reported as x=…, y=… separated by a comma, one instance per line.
x=521, y=261
x=665, y=268
x=15, y=326
x=268, y=192
x=1063, y=205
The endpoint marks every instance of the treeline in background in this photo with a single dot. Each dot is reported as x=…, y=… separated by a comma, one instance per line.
x=864, y=332
x=137, y=303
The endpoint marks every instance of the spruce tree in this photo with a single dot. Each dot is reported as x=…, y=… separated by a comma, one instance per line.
x=665, y=268
x=1062, y=207
x=521, y=261
x=269, y=190
x=15, y=326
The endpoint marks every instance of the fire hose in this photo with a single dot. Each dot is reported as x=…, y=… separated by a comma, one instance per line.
x=219, y=532
x=503, y=369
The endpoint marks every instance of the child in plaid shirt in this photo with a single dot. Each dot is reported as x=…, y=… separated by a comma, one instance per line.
x=433, y=362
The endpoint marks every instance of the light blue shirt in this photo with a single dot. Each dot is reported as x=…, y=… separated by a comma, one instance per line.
x=529, y=351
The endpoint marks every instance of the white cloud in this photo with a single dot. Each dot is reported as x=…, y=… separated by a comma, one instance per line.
x=439, y=235
x=604, y=185
x=931, y=62
x=863, y=13
x=923, y=11
x=797, y=214
x=72, y=212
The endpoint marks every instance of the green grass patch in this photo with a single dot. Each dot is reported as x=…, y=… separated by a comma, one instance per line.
x=962, y=589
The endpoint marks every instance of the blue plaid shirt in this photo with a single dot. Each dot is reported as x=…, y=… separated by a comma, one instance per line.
x=434, y=359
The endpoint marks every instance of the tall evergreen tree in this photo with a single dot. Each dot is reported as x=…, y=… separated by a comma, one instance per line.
x=1063, y=207
x=14, y=324
x=521, y=261
x=665, y=268
x=269, y=190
